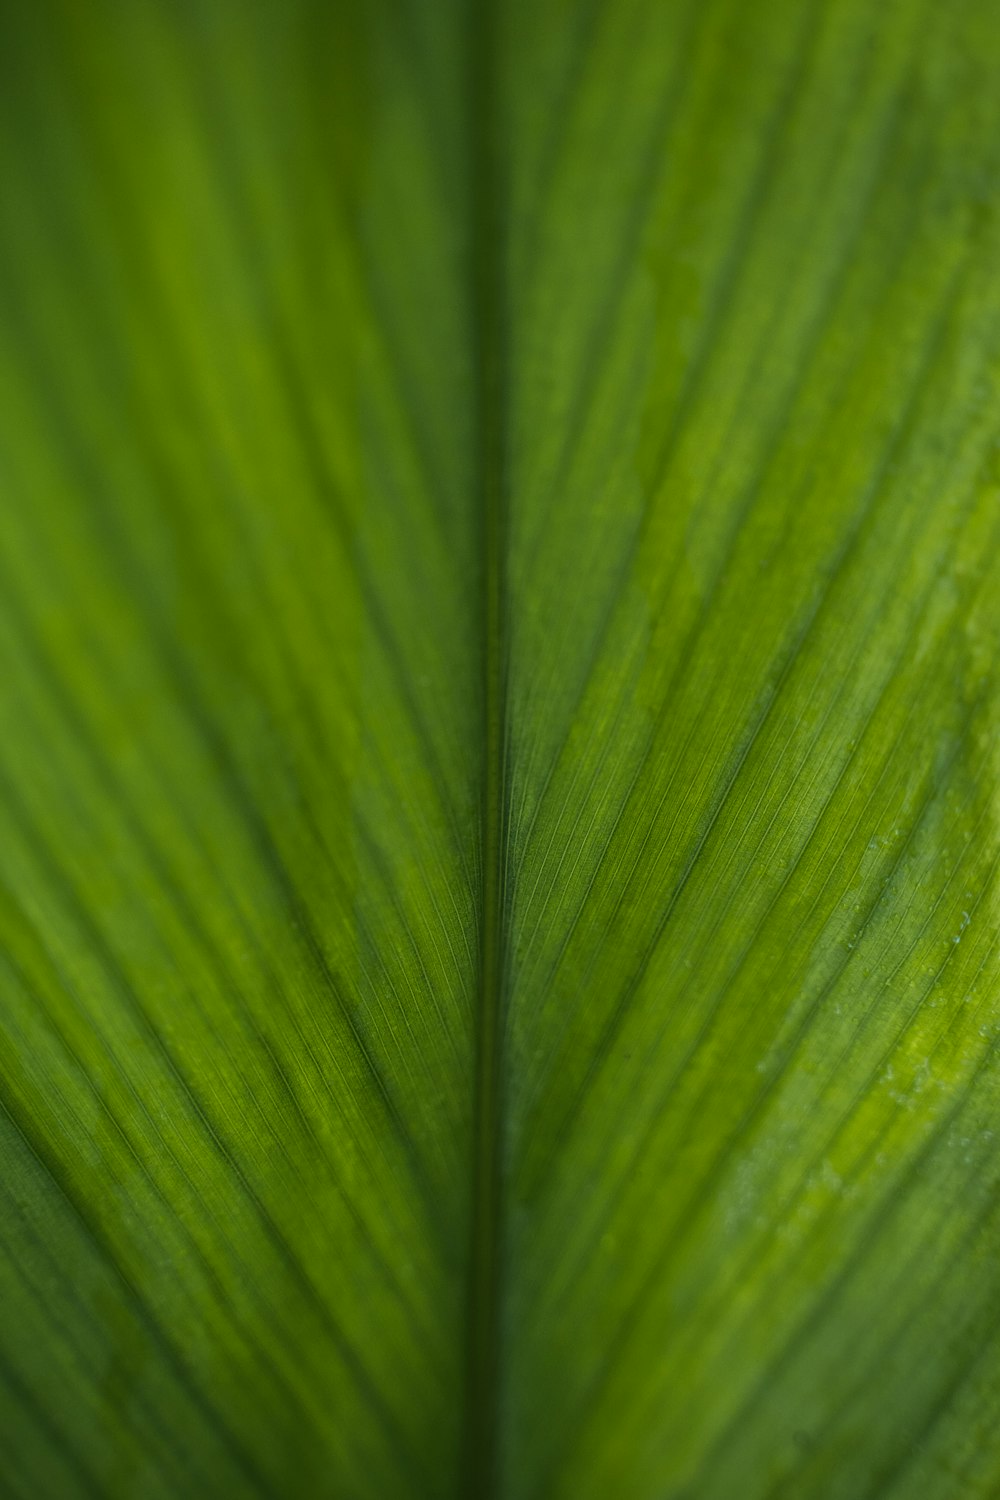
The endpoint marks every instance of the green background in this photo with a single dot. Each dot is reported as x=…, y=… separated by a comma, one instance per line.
x=499, y=749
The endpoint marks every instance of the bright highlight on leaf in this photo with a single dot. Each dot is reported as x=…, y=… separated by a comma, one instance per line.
x=500, y=745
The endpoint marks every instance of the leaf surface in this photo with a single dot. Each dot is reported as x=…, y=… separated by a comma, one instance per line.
x=499, y=837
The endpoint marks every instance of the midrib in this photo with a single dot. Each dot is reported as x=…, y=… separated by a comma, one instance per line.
x=480, y=1472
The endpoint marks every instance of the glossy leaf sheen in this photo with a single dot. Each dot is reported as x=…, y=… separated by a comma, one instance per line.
x=499, y=834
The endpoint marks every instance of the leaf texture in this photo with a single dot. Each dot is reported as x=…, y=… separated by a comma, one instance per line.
x=499, y=833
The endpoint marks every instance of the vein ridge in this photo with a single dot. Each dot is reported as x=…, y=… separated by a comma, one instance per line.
x=479, y=1477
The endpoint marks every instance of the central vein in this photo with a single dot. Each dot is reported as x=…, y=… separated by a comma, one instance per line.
x=480, y=1467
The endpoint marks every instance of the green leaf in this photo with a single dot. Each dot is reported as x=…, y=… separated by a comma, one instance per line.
x=499, y=830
